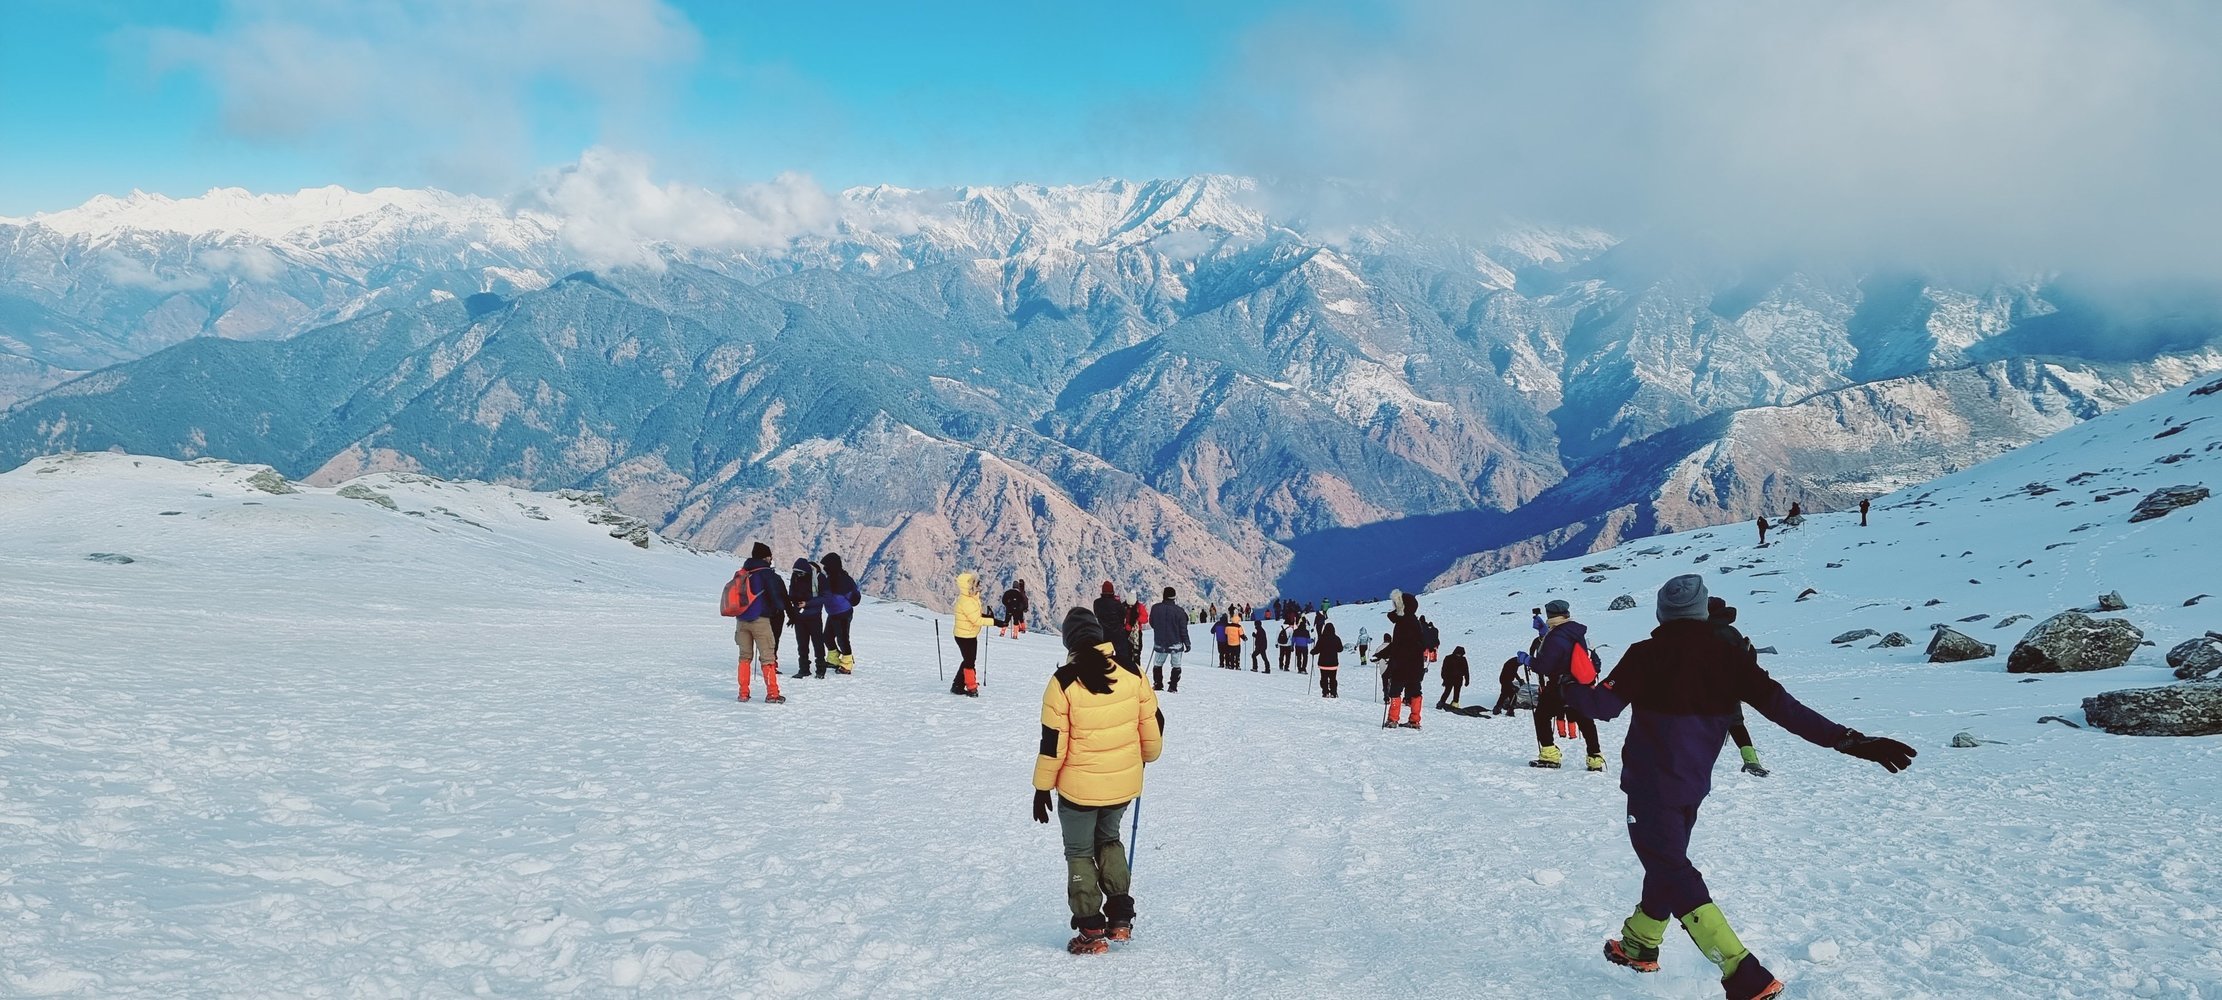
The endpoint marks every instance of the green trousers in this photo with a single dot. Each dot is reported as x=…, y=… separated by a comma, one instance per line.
x=1095, y=861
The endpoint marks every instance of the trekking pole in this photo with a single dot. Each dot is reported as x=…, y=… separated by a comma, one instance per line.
x=980, y=666
x=939, y=670
x=1134, y=840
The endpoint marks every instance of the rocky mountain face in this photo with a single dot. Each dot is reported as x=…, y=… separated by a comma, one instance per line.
x=1147, y=383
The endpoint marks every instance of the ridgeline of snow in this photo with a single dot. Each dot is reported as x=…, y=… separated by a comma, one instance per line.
x=305, y=743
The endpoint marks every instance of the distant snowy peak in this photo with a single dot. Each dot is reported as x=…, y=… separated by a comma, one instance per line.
x=275, y=217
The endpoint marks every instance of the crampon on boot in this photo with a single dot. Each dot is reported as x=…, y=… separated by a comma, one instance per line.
x=1091, y=940
x=1633, y=956
x=1118, y=916
x=1548, y=757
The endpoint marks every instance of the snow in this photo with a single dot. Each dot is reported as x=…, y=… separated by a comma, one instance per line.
x=267, y=216
x=306, y=745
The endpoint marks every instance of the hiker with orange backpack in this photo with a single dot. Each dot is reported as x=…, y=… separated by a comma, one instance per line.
x=1562, y=651
x=749, y=599
x=1687, y=683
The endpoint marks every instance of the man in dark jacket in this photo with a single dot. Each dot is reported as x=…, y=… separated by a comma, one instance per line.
x=1014, y=609
x=1723, y=619
x=1562, y=636
x=1168, y=639
x=808, y=611
x=1685, y=683
x=841, y=597
x=1508, y=685
x=1111, y=612
x=1455, y=673
x=1406, y=655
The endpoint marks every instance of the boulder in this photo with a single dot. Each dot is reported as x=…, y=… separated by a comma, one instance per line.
x=2160, y=502
x=357, y=491
x=1807, y=592
x=2193, y=708
x=2112, y=601
x=1593, y=578
x=2073, y=641
x=1854, y=636
x=269, y=481
x=1953, y=646
x=1967, y=741
x=1622, y=603
x=1894, y=640
x=2197, y=658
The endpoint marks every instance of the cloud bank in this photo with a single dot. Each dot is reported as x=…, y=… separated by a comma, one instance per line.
x=1952, y=133
x=611, y=210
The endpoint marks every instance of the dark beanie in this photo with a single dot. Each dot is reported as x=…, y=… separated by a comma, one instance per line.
x=1107, y=587
x=831, y=560
x=1682, y=597
x=1557, y=609
x=760, y=551
x=1082, y=630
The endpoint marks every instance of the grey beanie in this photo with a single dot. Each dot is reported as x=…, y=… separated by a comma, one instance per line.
x=1683, y=597
x=1557, y=609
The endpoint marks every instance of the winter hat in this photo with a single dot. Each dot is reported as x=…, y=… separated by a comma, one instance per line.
x=1082, y=631
x=1107, y=588
x=1557, y=609
x=801, y=563
x=760, y=551
x=1682, y=597
x=831, y=560
x=1168, y=593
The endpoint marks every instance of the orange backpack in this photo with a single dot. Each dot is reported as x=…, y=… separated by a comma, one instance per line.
x=740, y=592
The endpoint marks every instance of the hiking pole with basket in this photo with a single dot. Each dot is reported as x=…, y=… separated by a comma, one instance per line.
x=939, y=670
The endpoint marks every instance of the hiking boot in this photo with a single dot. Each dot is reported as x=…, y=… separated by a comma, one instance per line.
x=1633, y=956
x=1090, y=941
x=777, y=699
x=802, y=671
x=1595, y=762
x=1755, y=770
x=1547, y=757
x=744, y=697
x=1385, y=723
x=1120, y=932
x=1411, y=725
x=972, y=694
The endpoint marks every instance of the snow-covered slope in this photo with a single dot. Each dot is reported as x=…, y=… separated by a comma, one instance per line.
x=304, y=744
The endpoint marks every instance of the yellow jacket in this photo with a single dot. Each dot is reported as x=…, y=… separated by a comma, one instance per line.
x=1094, y=745
x=969, y=618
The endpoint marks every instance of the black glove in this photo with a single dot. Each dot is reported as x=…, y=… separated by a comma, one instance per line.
x=1891, y=754
x=1041, y=807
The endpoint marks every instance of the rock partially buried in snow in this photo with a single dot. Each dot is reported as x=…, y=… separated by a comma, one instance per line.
x=1622, y=603
x=1854, y=635
x=1893, y=641
x=2196, y=658
x=2160, y=502
x=357, y=491
x=2010, y=620
x=1953, y=646
x=2112, y=601
x=111, y=558
x=2193, y=708
x=269, y=481
x=2072, y=641
x=1968, y=741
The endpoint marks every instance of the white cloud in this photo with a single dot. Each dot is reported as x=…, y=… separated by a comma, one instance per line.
x=2030, y=133
x=129, y=273
x=445, y=87
x=247, y=262
x=610, y=210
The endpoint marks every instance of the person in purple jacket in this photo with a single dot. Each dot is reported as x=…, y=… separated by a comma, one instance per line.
x=1686, y=683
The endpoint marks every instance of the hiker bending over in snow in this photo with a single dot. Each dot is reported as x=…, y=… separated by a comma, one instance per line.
x=1685, y=683
x=1565, y=641
x=1508, y=685
x=970, y=621
x=1100, y=724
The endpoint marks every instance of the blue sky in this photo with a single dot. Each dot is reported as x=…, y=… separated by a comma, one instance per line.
x=179, y=96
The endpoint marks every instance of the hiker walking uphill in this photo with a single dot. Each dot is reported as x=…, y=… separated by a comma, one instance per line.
x=1863, y=504
x=1330, y=662
x=1455, y=674
x=1259, y=664
x=970, y=622
x=841, y=597
x=1301, y=641
x=1100, y=725
x=1014, y=609
x=1168, y=639
x=1230, y=642
x=1282, y=645
x=1723, y=619
x=749, y=599
x=1111, y=614
x=1405, y=651
x=1564, y=648
x=808, y=613
x=1685, y=683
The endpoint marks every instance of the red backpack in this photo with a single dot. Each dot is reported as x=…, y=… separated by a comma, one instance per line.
x=1580, y=662
x=740, y=592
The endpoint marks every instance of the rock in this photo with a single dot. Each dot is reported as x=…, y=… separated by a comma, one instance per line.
x=171, y=513
x=1767, y=651
x=2112, y=601
x=1953, y=646
x=2193, y=708
x=1853, y=636
x=1593, y=578
x=1966, y=740
x=2041, y=720
x=1622, y=603
x=1893, y=641
x=2196, y=600
x=269, y=481
x=1836, y=565
x=2072, y=641
x=1702, y=556
x=1793, y=521
x=2010, y=620
x=2196, y=658
x=1974, y=618
x=357, y=491
x=1601, y=567
x=2160, y=502
x=1807, y=592
x=2208, y=389
x=111, y=558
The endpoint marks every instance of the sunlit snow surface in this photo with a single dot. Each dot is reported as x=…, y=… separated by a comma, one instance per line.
x=304, y=745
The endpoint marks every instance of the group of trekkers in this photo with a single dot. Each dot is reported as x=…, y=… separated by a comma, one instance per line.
x=1687, y=682
x=818, y=598
x=1796, y=517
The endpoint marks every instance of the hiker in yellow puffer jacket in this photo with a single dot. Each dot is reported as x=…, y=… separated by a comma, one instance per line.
x=970, y=621
x=1100, y=724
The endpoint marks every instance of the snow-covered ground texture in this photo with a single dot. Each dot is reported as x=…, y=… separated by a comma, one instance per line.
x=306, y=745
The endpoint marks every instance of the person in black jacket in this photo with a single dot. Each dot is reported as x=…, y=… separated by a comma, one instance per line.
x=1723, y=619
x=1112, y=613
x=1685, y=683
x=1455, y=673
x=1168, y=639
x=841, y=597
x=1330, y=661
x=1508, y=685
x=1014, y=609
x=1405, y=652
x=808, y=612
x=1554, y=656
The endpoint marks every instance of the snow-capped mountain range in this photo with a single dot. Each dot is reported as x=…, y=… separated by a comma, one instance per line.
x=1117, y=380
